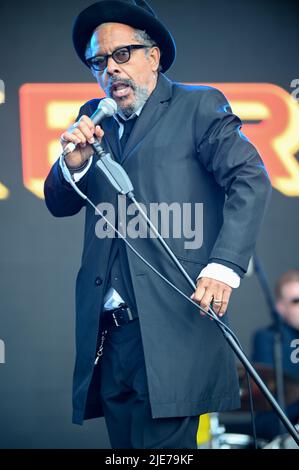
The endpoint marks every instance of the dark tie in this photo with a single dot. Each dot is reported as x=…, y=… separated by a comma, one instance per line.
x=128, y=126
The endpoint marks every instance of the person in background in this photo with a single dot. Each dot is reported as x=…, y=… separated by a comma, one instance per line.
x=287, y=307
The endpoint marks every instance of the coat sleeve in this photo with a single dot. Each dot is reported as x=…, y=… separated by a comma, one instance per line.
x=61, y=199
x=238, y=168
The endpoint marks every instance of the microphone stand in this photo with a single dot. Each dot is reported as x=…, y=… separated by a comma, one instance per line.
x=277, y=322
x=118, y=178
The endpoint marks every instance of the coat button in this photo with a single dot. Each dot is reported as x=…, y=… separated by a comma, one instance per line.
x=98, y=281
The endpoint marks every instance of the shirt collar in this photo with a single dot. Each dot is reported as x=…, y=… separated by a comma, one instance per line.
x=137, y=113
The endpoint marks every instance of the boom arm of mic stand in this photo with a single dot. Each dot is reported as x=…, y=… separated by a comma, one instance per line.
x=119, y=179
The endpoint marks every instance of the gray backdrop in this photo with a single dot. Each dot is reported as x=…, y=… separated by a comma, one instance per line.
x=217, y=41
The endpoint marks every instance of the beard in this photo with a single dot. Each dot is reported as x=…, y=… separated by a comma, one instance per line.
x=140, y=96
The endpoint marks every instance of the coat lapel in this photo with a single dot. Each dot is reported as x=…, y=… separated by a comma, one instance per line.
x=153, y=110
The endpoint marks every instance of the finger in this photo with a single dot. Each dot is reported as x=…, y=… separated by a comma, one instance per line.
x=217, y=300
x=86, y=120
x=68, y=137
x=225, y=299
x=206, y=299
x=99, y=132
x=86, y=131
x=82, y=139
x=199, y=291
x=198, y=294
x=63, y=139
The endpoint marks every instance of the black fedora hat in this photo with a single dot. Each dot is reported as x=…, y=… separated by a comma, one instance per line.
x=135, y=13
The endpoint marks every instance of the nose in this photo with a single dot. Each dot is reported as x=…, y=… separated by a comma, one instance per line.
x=112, y=66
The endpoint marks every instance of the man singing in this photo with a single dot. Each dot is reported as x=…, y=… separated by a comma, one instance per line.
x=163, y=363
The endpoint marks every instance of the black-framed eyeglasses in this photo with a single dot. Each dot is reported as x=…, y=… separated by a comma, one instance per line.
x=120, y=56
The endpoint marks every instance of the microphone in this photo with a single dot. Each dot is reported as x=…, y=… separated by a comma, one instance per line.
x=107, y=107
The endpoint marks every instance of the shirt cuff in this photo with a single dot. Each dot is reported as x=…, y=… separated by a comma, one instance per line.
x=235, y=267
x=76, y=175
x=221, y=273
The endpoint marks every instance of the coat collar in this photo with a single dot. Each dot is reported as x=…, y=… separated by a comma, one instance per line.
x=152, y=111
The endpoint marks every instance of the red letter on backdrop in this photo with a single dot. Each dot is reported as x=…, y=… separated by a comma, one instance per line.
x=269, y=113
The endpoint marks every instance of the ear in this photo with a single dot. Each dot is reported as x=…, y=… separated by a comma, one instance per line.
x=155, y=56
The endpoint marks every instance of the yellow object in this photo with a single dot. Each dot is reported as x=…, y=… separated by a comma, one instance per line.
x=204, y=429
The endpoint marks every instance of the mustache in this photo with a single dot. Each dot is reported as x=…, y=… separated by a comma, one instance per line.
x=125, y=81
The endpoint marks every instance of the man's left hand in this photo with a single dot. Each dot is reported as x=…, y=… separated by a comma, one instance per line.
x=209, y=291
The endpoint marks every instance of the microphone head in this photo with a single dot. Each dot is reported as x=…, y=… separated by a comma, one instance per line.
x=108, y=106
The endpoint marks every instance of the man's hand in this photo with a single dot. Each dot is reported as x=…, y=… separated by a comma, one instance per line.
x=211, y=291
x=82, y=134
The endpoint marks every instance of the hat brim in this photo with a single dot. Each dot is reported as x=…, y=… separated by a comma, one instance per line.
x=119, y=12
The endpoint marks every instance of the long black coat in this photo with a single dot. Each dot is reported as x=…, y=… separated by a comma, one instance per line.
x=186, y=146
